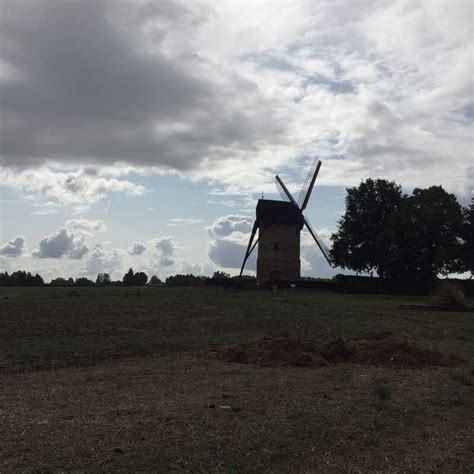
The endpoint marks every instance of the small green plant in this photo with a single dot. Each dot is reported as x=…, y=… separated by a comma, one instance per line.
x=449, y=294
x=384, y=391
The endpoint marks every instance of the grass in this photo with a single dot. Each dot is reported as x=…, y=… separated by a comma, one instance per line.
x=130, y=390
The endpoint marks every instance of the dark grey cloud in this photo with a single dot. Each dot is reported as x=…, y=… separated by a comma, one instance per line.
x=61, y=244
x=166, y=249
x=137, y=248
x=14, y=247
x=228, y=241
x=93, y=81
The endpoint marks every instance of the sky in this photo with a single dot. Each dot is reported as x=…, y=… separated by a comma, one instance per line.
x=141, y=134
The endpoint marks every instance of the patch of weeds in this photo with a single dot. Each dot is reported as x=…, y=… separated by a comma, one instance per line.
x=465, y=379
x=384, y=391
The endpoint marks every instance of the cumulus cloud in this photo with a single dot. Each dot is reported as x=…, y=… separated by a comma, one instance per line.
x=227, y=225
x=14, y=247
x=111, y=81
x=86, y=226
x=228, y=240
x=61, y=244
x=77, y=188
x=70, y=240
x=234, y=92
x=103, y=260
x=166, y=251
x=137, y=248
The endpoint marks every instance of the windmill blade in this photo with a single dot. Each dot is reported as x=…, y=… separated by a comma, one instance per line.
x=308, y=184
x=319, y=241
x=284, y=193
x=249, y=247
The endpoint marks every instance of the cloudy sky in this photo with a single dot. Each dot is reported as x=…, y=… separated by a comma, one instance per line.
x=140, y=133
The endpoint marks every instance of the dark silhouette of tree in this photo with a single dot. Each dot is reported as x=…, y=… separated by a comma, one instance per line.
x=4, y=279
x=463, y=259
x=467, y=241
x=134, y=279
x=140, y=279
x=185, y=280
x=369, y=209
x=20, y=278
x=102, y=279
x=421, y=239
x=128, y=278
x=62, y=282
x=220, y=276
x=154, y=280
x=82, y=281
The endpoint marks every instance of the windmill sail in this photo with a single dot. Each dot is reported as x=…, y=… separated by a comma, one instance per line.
x=308, y=184
x=319, y=241
x=284, y=193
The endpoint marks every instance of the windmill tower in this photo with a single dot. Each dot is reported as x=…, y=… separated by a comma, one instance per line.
x=279, y=224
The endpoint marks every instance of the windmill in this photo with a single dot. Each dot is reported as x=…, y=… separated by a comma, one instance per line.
x=279, y=224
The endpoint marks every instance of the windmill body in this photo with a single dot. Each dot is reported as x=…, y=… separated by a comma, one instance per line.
x=279, y=224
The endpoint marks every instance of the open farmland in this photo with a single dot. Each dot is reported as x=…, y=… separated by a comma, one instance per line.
x=126, y=379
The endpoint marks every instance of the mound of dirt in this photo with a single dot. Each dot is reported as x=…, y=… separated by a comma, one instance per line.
x=270, y=351
x=376, y=348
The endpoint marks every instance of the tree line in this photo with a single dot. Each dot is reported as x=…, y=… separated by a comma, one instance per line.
x=131, y=278
x=420, y=236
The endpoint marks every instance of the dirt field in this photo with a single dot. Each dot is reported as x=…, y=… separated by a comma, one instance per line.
x=204, y=380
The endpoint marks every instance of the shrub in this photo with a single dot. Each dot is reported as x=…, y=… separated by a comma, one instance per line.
x=449, y=294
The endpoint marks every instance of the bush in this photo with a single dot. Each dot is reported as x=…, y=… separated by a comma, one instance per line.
x=449, y=294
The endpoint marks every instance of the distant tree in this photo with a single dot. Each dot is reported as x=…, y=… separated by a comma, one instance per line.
x=102, y=279
x=467, y=240
x=20, y=278
x=357, y=244
x=463, y=260
x=128, y=279
x=185, y=280
x=154, y=280
x=422, y=236
x=37, y=280
x=82, y=281
x=62, y=282
x=220, y=276
x=140, y=279
x=5, y=279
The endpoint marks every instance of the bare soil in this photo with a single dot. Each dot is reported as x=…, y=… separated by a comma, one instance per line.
x=207, y=381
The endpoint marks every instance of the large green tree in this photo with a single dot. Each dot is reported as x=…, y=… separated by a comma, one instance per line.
x=422, y=236
x=357, y=244
x=464, y=261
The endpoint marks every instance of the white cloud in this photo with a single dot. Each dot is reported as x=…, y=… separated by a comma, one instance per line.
x=76, y=188
x=86, y=226
x=227, y=225
x=14, y=247
x=181, y=222
x=137, y=248
x=103, y=260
